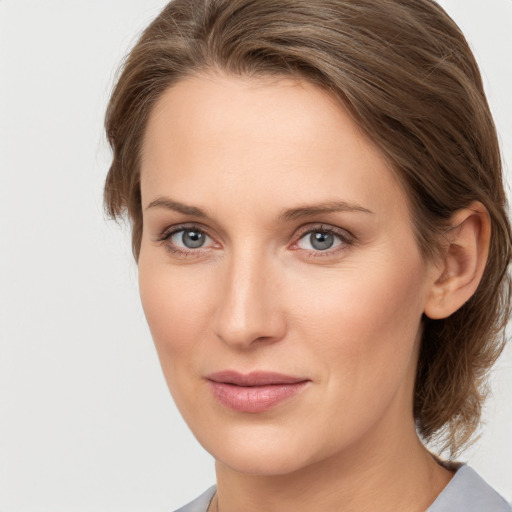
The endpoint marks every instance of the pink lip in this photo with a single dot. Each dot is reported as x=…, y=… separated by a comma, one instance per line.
x=255, y=391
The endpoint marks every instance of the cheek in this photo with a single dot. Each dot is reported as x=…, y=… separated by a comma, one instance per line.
x=362, y=326
x=176, y=304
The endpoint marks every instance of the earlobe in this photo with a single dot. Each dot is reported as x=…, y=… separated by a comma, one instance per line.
x=462, y=263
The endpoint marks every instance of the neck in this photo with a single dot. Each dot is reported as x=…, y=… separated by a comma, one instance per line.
x=388, y=474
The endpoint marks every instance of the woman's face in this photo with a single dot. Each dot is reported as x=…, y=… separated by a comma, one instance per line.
x=279, y=273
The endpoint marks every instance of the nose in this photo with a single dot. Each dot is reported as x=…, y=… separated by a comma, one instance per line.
x=248, y=309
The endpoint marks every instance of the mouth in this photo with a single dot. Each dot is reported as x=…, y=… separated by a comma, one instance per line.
x=254, y=392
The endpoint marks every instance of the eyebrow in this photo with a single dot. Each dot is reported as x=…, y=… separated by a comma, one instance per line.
x=284, y=216
x=169, y=204
x=315, y=209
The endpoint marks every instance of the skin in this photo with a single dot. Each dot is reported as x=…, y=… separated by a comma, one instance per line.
x=259, y=296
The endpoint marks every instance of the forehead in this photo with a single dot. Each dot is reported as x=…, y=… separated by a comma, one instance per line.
x=210, y=106
x=278, y=138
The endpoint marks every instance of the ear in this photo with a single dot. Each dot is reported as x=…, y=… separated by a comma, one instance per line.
x=462, y=263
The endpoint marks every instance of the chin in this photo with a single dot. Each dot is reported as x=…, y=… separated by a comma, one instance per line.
x=260, y=462
x=265, y=451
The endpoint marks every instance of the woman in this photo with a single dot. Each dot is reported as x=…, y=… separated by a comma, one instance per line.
x=319, y=222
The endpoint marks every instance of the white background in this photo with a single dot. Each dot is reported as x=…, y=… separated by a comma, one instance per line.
x=86, y=422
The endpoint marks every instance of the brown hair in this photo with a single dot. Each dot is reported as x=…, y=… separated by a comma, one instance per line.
x=404, y=71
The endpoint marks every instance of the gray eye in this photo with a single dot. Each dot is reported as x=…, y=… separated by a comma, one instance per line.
x=192, y=239
x=321, y=241
x=189, y=238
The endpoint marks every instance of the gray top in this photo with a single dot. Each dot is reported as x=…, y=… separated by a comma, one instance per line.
x=466, y=492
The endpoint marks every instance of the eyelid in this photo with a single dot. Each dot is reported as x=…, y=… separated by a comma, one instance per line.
x=164, y=238
x=347, y=239
x=327, y=228
x=175, y=228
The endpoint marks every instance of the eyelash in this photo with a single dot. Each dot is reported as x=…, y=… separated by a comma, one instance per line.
x=168, y=233
x=346, y=240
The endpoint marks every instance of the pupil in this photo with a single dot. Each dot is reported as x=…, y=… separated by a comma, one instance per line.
x=192, y=239
x=321, y=241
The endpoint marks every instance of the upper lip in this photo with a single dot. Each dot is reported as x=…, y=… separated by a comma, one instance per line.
x=256, y=378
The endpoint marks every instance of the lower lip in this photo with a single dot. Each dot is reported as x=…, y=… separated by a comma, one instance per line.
x=254, y=398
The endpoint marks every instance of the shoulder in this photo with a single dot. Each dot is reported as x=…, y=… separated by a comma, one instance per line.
x=201, y=503
x=468, y=492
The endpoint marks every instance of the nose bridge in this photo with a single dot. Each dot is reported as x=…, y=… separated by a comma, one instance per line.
x=248, y=308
